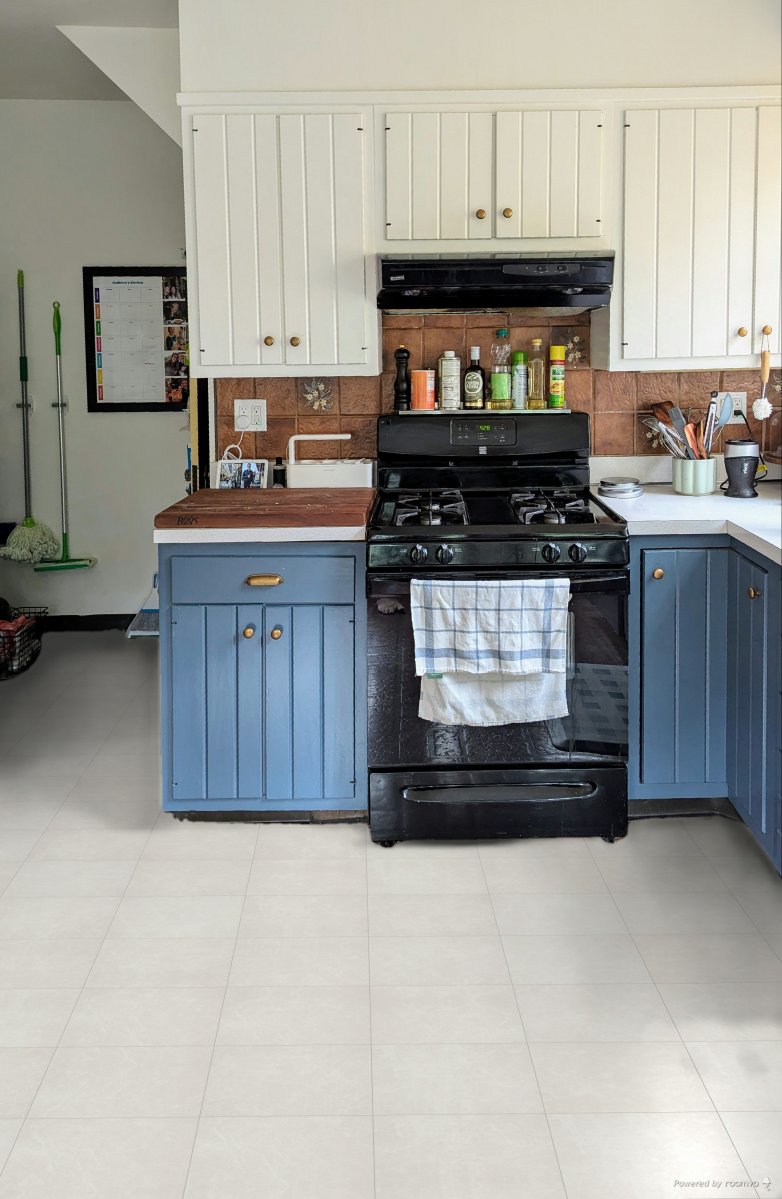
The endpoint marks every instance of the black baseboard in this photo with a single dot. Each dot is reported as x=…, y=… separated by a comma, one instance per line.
x=97, y=622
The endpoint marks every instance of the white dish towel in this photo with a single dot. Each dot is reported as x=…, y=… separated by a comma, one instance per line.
x=491, y=652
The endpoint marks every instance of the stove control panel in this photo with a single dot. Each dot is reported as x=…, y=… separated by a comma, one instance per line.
x=483, y=431
x=551, y=552
x=507, y=554
x=419, y=554
x=578, y=552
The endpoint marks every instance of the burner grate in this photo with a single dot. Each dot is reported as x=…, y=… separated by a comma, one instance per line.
x=431, y=508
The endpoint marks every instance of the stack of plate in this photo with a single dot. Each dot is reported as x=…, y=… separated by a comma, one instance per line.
x=620, y=487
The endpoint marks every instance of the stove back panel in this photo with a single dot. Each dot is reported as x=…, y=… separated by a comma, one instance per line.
x=440, y=437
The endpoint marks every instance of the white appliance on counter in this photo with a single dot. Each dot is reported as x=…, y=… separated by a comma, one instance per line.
x=327, y=472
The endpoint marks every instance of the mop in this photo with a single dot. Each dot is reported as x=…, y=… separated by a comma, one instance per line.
x=29, y=541
x=65, y=561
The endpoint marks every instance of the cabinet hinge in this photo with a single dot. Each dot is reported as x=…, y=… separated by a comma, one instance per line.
x=360, y=128
x=195, y=129
x=627, y=126
x=388, y=128
x=599, y=126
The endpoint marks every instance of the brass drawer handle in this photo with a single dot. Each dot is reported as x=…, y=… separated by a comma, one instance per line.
x=753, y=592
x=767, y=330
x=295, y=341
x=268, y=341
x=507, y=213
x=658, y=572
x=276, y=633
x=249, y=631
x=480, y=213
x=264, y=580
x=743, y=331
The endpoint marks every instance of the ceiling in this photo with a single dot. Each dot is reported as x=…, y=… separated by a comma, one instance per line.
x=37, y=62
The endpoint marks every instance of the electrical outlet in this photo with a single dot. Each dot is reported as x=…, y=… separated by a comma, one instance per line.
x=250, y=416
x=739, y=405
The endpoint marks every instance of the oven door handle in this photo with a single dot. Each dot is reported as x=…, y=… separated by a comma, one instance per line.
x=500, y=793
x=378, y=585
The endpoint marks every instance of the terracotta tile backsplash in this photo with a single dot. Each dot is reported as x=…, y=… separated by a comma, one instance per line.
x=616, y=401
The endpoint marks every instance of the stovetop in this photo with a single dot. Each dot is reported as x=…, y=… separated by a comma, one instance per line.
x=534, y=511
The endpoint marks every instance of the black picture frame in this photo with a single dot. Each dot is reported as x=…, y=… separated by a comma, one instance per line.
x=178, y=380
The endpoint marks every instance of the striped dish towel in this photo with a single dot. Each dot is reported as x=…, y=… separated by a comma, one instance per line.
x=506, y=627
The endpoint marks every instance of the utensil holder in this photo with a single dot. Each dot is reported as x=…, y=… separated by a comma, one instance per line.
x=698, y=477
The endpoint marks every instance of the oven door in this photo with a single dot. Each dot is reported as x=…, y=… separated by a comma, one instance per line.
x=594, y=732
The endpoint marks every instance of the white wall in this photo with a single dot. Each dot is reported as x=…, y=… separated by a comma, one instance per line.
x=311, y=44
x=83, y=183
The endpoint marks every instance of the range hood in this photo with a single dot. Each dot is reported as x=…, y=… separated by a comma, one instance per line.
x=554, y=284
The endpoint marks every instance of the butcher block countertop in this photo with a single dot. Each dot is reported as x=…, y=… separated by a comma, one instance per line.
x=276, y=514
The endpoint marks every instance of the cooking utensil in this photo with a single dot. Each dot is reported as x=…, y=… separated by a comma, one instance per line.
x=699, y=438
x=692, y=440
x=761, y=408
x=680, y=425
x=711, y=419
x=662, y=411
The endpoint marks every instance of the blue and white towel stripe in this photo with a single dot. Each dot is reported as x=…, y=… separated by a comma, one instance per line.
x=514, y=627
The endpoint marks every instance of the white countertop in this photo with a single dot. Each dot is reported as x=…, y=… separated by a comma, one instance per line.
x=756, y=523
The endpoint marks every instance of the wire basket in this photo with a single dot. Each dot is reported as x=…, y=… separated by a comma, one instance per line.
x=19, y=650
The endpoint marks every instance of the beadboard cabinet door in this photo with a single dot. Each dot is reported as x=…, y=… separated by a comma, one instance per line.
x=702, y=216
x=277, y=207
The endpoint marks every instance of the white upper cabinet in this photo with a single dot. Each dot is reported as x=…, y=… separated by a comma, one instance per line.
x=278, y=244
x=480, y=174
x=702, y=216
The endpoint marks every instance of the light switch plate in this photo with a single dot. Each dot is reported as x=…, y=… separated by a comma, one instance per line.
x=739, y=405
x=250, y=416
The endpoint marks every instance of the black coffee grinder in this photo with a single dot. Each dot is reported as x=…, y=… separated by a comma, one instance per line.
x=741, y=463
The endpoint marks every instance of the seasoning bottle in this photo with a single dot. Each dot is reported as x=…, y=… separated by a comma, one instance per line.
x=278, y=473
x=556, y=385
x=449, y=371
x=500, y=371
x=474, y=380
x=518, y=379
x=536, y=381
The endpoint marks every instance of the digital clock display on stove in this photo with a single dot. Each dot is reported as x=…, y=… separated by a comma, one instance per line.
x=483, y=432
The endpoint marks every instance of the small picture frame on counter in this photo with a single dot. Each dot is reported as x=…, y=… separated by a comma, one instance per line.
x=240, y=474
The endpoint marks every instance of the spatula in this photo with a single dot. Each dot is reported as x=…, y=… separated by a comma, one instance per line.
x=680, y=425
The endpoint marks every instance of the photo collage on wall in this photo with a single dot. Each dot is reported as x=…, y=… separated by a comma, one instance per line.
x=175, y=338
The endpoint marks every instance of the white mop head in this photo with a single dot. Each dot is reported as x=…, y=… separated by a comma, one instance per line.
x=30, y=542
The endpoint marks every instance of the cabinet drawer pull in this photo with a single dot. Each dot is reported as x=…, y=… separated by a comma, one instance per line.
x=767, y=330
x=743, y=331
x=276, y=633
x=249, y=631
x=264, y=580
x=753, y=592
x=268, y=341
x=507, y=213
x=480, y=213
x=658, y=572
x=295, y=341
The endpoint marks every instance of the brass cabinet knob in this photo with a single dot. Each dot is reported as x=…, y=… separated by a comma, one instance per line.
x=295, y=341
x=480, y=213
x=767, y=330
x=507, y=213
x=264, y=580
x=658, y=572
x=276, y=633
x=249, y=631
x=268, y=341
x=743, y=331
x=753, y=592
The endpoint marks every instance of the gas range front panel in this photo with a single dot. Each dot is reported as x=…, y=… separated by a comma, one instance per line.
x=565, y=553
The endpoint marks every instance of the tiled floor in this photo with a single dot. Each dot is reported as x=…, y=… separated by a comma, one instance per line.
x=226, y=1011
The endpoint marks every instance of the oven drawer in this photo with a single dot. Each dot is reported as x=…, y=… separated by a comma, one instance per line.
x=267, y=578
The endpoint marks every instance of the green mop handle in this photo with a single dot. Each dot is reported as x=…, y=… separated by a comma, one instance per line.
x=25, y=402
x=57, y=326
x=59, y=405
x=23, y=375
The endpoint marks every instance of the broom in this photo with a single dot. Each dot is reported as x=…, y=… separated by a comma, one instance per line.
x=29, y=541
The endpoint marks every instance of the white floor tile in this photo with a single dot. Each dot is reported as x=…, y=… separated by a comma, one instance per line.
x=115, y=815
x=246, y=1158
x=16, y=843
x=717, y=837
x=758, y=1140
x=696, y=912
x=716, y=958
x=659, y=835
x=7, y=872
x=88, y=845
x=30, y=815
x=34, y=1018
x=542, y=876
x=523, y=848
x=594, y=1012
x=445, y=1015
x=194, y=916
x=725, y=1011
x=424, y=876
x=290, y=1080
x=47, y=964
x=162, y=962
x=47, y=880
x=21, y=1071
x=183, y=878
x=304, y=916
x=131, y=1081
x=9, y=1131
x=431, y=916
x=20, y=787
x=164, y=1016
x=437, y=961
x=300, y=962
x=465, y=1157
x=120, y=1159
x=295, y=1016
x=761, y=898
x=196, y=840
x=454, y=1080
x=589, y=958
x=678, y=874
x=564, y=914
x=645, y=1156
x=618, y=1077
x=308, y=877
x=54, y=919
x=741, y=1076
x=287, y=841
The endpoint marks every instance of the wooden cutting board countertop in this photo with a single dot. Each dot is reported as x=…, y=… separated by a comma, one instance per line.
x=275, y=508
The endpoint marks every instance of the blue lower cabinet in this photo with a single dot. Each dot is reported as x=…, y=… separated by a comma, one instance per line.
x=264, y=703
x=678, y=629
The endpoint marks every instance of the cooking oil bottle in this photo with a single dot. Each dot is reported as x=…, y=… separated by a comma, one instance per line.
x=536, y=377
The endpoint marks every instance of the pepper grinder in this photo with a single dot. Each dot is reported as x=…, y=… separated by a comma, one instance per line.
x=402, y=380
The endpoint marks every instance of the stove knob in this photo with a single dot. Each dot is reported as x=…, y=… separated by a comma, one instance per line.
x=551, y=552
x=444, y=553
x=577, y=552
x=419, y=553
